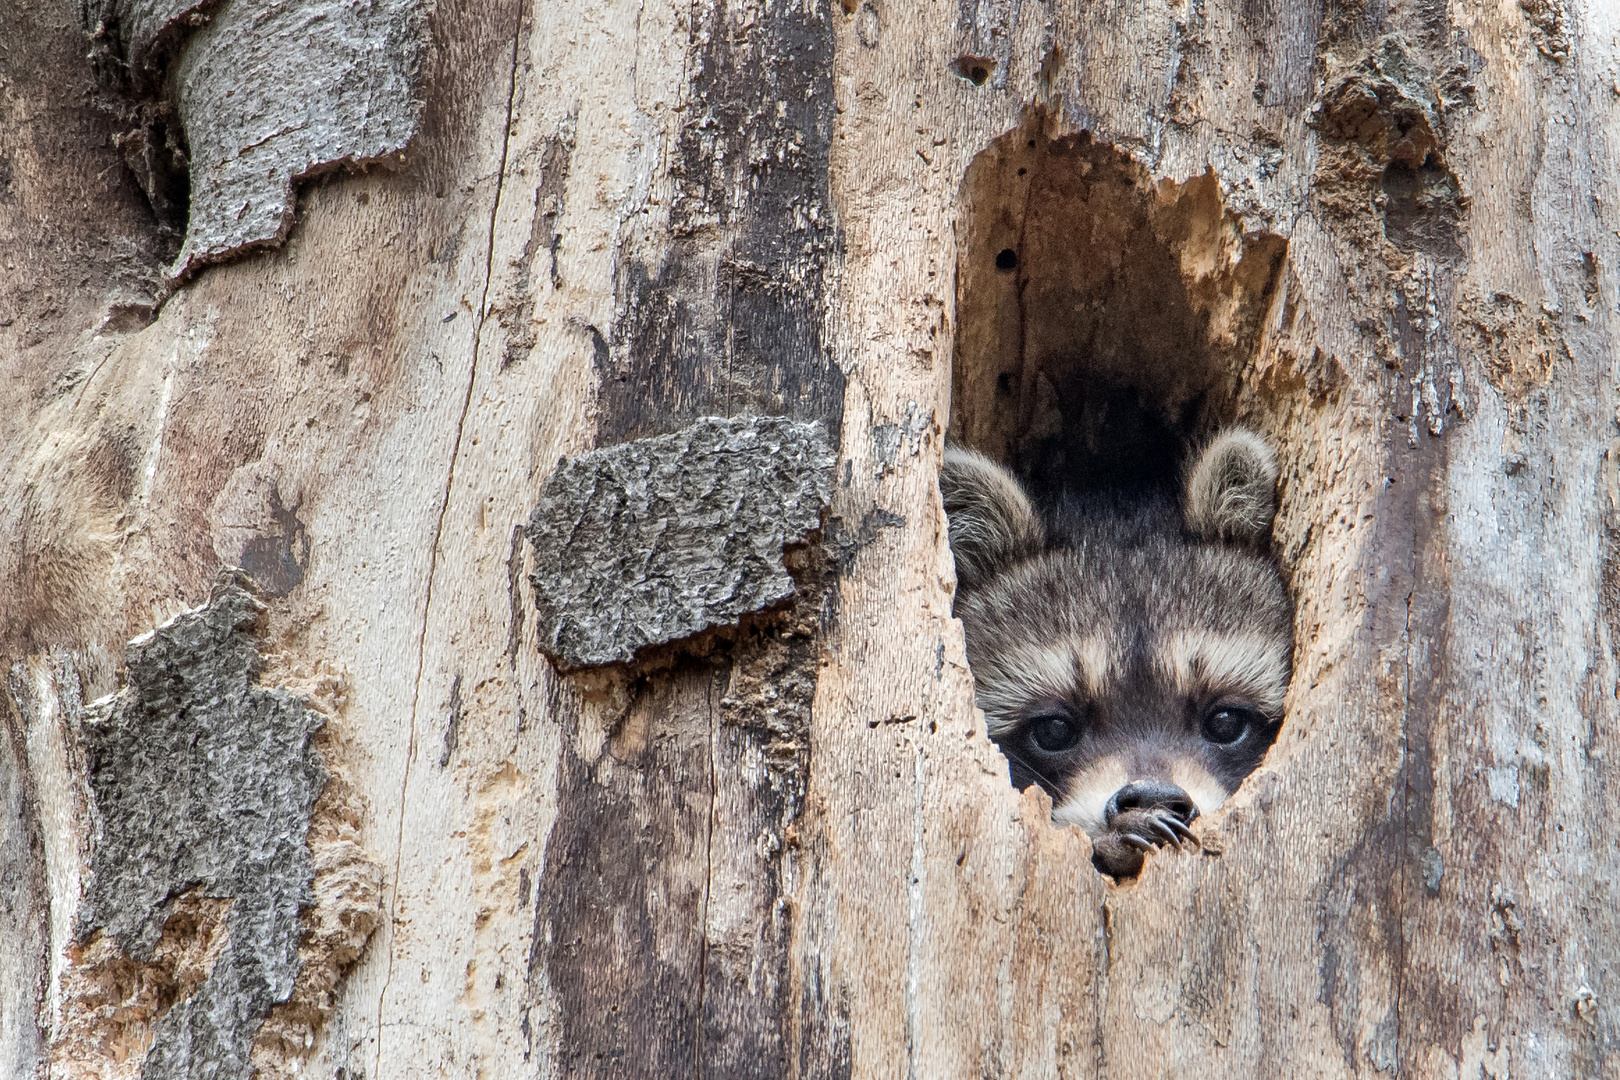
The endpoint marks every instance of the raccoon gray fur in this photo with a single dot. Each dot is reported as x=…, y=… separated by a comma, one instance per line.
x=1130, y=654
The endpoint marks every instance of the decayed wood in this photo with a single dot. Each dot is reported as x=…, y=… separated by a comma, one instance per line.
x=790, y=849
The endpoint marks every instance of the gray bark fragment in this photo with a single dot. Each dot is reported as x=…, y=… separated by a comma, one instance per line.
x=268, y=94
x=658, y=539
x=204, y=780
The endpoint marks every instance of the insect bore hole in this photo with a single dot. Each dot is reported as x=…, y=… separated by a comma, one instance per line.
x=975, y=69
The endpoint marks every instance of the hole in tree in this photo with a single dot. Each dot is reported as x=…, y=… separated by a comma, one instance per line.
x=1103, y=316
x=1423, y=208
x=975, y=69
x=1106, y=320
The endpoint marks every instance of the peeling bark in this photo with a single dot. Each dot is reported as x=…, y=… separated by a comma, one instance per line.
x=192, y=932
x=655, y=540
x=244, y=100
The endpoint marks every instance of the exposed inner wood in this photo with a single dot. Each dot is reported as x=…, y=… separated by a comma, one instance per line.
x=1103, y=317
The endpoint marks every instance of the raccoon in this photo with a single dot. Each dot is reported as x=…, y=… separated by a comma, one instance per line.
x=1130, y=654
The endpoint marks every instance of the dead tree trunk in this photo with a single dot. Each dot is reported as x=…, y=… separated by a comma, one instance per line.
x=376, y=808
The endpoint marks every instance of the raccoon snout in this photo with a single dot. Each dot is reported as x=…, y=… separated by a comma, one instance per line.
x=1152, y=795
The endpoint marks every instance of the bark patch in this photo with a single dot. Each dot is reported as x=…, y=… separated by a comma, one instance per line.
x=205, y=787
x=655, y=540
x=264, y=95
x=1384, y=127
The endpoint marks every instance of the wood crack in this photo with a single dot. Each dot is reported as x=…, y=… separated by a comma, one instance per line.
x=438, y=533
x=708, y=884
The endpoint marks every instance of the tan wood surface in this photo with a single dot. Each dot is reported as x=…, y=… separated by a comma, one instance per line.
x=798, y=855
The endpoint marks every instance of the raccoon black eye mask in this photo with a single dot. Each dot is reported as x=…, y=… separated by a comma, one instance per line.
x=1130, y=657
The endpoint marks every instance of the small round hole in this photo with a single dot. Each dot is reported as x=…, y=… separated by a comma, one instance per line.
x=975, y=69
x=1006, y=259
x=1022, y=172
x=1004, y=384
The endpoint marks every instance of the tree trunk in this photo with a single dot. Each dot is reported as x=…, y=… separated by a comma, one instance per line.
x=371, y=806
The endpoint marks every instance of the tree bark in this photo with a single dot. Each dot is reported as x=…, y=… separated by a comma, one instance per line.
x=782, y=845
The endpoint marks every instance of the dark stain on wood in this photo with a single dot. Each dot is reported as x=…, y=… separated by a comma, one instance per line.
x=276, y=558
x=514, y=595
x=728, y=320
x=762, y=770
x=622, y=899
x=1421, y=512
x=666, y=897
x=1372, y=902
x=452, y=724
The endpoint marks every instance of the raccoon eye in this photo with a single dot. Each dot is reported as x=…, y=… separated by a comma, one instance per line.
x=1054, y=732
x=1226, y=724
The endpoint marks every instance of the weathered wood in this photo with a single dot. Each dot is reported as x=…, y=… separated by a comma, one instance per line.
x=1384, y=236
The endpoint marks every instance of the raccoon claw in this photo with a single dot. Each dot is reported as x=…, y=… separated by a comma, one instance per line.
x=1183, y=834
x=1165, y=827
x=1132, y=834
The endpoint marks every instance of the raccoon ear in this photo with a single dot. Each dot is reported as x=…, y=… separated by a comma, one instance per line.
x=1231, y=490
x=992, y=522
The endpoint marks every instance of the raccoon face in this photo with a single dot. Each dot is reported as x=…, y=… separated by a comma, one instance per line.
x=1130, y=661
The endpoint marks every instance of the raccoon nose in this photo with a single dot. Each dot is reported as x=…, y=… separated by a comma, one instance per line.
x=1151, y=795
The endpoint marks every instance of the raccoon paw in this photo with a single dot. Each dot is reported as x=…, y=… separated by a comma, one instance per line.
x=1131, y=834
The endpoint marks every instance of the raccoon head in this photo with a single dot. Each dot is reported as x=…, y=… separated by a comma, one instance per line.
x=1131, y=659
